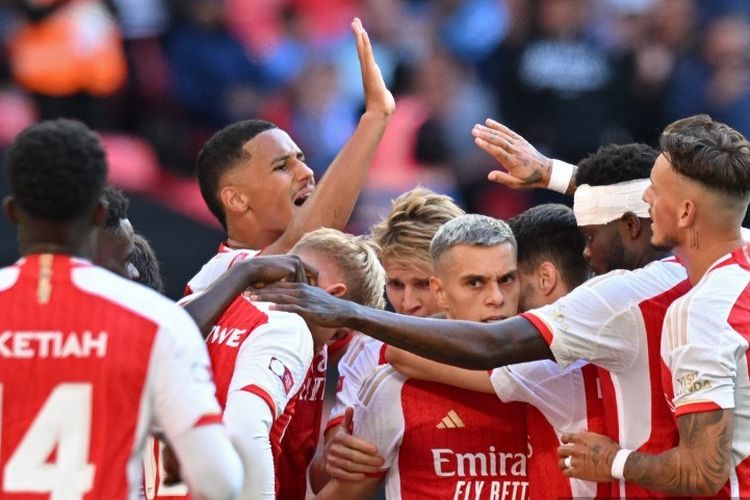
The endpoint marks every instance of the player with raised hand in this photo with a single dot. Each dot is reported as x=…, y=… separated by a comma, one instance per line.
x=254, y=179
x=91, y=359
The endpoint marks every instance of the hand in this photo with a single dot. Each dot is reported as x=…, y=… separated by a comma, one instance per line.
x=171, y=465
x=349, y=458
x=378, y=99
x=591, y=456
x=266, y=269
x=312, y=303
x=526, y=167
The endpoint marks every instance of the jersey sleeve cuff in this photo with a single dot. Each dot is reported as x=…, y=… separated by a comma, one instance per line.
x=697, y=407
x=540, y=325
x=340, y=344
x=333, y=423
x=262, y=394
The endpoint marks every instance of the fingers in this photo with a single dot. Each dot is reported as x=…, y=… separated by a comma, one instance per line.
x=343, y=475
x=353, y=455
x=571, y=438
x=501, y=128
x=503, y=178
x=348, y=420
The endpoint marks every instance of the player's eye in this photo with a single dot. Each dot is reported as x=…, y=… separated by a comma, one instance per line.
x=395, y=285
x=422, y=284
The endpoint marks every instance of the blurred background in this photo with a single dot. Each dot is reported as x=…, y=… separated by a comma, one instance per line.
x=157, y=77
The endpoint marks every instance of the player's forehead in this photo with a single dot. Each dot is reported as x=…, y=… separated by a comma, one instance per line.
x=269, y=145
x=489, y=261
x=661, y=171
x=406, y=271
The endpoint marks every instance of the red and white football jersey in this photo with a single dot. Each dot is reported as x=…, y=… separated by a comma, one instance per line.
x=561, y=400
x=705, y=348
x=362, y=358
x=614, y=321
x=301, y=437
x=439, y=441
x=218, y=265
x=91, y=363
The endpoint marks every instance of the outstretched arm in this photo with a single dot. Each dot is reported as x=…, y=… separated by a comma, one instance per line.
x=334, y=198
x=466, y=344
x=206, y=307
x=699, y=465
x=525, y=167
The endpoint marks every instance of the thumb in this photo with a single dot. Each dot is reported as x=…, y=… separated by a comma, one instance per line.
x=348, y=422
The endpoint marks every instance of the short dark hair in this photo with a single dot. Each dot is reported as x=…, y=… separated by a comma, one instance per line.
x=145, y=261
x=220, y=153
x=550, y=233
x=56, y=170
x=117, y=207
x=710, y=153
x=616, y=163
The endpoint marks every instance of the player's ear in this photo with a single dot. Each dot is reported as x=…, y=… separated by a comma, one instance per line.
x=438, y=290
x=234, y=200
x=631, y=225
x=10, y=208
x=686, y=214
x=548, y=277
x=337, y=289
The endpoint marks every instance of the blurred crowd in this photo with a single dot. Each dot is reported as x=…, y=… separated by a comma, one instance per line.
x=158, y=77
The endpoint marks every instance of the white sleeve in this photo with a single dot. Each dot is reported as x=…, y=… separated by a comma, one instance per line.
x=378, y=414
x=274, y=360
x=180, y=386
x=595, y=322
x=248, y=419
x=701, y=350
x=208, y=463
x=355, y=367
x=558, y=393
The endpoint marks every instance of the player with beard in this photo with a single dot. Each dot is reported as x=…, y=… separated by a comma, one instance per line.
x=421, y=428
x=90, y=358
x=550, y=264
x=699, y=193
x=613, y=321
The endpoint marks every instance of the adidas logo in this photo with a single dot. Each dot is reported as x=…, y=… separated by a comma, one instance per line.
x=451, y=421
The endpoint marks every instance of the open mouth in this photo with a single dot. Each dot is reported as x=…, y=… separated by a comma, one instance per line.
x=493, y=318
x=302, y=196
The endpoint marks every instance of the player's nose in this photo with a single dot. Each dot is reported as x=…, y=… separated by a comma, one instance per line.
x=411, y=302
x=495, y=295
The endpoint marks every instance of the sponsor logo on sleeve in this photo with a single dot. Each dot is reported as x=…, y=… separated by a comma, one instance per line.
x=285, y=375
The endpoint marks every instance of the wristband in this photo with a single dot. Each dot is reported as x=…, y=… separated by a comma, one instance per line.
x=618, y=464
x=560, y=175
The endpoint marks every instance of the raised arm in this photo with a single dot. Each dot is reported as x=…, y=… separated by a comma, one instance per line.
x=525, y=167
x=699, y=465
x=334, y=198
x=466, y=344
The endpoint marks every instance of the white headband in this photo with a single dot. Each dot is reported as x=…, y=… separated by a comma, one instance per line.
x=595, y=205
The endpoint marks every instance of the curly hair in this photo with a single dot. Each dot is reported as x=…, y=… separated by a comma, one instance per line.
x=406, y=232
x=117, y=207
x=710, y=153
x=145, y=261
x=616, y=163
x=356, y=257
x=220, y=153
x=56, y=170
